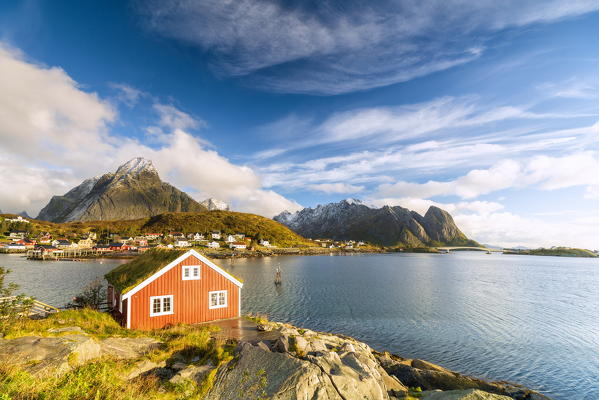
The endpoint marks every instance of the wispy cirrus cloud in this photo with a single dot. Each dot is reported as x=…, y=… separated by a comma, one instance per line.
x=341, y=46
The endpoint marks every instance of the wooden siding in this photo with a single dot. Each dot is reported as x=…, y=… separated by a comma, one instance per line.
x=190, y=298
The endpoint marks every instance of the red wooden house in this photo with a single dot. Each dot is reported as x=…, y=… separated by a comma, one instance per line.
x=165, y=287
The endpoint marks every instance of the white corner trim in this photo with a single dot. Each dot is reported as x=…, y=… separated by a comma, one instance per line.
x=239, y=301
x=162, y=298
x=128, y=313
x=210, y=306
x=182, y=257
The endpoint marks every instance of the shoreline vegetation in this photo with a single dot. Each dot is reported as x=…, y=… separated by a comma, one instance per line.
x=83, y=354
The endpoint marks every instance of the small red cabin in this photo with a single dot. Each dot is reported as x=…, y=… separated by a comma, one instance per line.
x=166, y=287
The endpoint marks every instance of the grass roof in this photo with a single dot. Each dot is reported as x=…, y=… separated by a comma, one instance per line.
x=127, y=276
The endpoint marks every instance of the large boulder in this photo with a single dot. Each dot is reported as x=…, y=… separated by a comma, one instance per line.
x=59, y=354
x=50, y=354
x=196, y=373
x=257, y=373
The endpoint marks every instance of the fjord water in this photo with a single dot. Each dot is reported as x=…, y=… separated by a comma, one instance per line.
x=528, y=319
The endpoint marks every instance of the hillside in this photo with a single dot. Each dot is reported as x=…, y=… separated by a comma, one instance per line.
x=387, y=226
x=186, y=222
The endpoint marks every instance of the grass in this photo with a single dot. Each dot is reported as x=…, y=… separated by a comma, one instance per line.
x=104, y=378
x=95, y=323
x=126, y=276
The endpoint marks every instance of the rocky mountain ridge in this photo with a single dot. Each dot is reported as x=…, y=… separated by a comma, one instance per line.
x=389, y=226
x=135, y=190
x=215, y=204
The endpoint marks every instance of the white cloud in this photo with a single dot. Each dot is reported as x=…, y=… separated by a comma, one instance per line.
x=127, y=94
x=545, y=172
x=475, y=183
x=53, y=135
x=330, y=48
x=336, y=187
x=172, y=118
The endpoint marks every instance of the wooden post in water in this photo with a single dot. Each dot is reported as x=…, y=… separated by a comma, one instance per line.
x=278, y=275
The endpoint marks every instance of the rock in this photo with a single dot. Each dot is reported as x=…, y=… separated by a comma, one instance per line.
x=263, y=346
x=317, y=346
x=353, y=377
x=50, y=354
x=193, y=372
x=471, y=394
x=257, y=373
x=66, y=329
x=432, y=379
x=143, y=367
x=301, y=345
x=281, y=344
x=421, y=364
x=178, y=366
x=264, y=327
x=128, y=348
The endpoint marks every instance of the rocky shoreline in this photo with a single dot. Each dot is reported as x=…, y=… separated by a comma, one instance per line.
x=270, y=361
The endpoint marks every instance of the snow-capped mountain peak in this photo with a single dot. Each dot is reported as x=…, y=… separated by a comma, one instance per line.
x=135, y=166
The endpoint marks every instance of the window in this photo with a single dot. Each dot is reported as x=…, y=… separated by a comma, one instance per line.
x=217, y=299
x=191, y=272
x=161, y=305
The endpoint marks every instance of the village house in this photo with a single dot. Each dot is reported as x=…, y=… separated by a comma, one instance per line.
x=45, y=250
x=213, y=245
x=45, y=238
x=176, y=235
x=153, y=236
x=62, y=244
x=141, y=242
x=239, y=236
x=28, y=243
x=264, y=243
x=198, y=236
x=102, y=248
x=120, y=247
x=15, y=246
x=230, y=239
x=182, y=243
x=86, y=243
x=238, y=245
x=17, y=235
x=215, y=235
x=164, y=288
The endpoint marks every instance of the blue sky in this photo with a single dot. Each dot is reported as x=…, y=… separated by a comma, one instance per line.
x=489, y=110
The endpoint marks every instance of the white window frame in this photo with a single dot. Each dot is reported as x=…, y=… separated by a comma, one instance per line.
x=210, y=306
x=172, y=311
x=190, y=268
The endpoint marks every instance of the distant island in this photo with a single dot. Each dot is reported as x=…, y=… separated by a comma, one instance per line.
x=554, y=251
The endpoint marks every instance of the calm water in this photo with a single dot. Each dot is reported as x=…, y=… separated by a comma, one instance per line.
x=532, y=320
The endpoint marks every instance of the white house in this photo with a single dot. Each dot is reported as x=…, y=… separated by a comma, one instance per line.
x=230, y=239
x=215, y=235
x=238, y=245
x=198, y=237
x=213, y=245
x=265, y=243
x=182, y=243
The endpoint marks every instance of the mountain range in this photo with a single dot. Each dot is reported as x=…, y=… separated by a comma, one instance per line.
x=134, y=191
x=388, y=226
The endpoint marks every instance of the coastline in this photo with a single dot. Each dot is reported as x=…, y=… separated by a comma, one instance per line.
x=249, y=355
